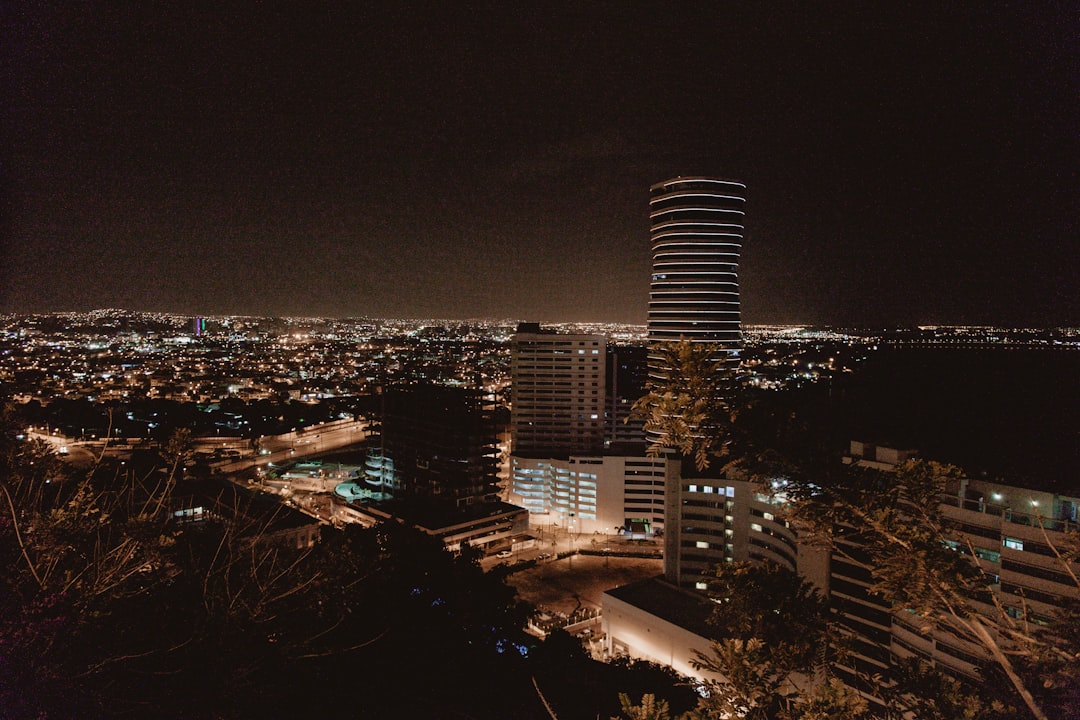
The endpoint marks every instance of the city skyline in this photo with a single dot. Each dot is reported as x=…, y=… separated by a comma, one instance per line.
x=338, y=161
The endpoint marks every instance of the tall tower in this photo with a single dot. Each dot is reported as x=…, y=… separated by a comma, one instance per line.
x=697, y=233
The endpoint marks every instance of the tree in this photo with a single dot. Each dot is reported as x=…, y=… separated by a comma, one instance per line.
x=772, y=660
x=922, y=564
x=648, y=709
x=896, y=520
x=687, y=408
x=110, y=607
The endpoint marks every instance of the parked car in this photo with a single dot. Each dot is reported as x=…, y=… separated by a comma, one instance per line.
x=503, y=554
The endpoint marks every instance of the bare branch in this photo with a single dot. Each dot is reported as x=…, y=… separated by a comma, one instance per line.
x=18, y=536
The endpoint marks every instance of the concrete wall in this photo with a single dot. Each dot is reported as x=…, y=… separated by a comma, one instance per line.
x=629, y=630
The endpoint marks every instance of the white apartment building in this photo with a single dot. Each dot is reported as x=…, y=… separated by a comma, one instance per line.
x=1013, y=532
x=557, y=399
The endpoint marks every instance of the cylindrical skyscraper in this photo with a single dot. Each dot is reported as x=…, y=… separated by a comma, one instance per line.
x=697, y=233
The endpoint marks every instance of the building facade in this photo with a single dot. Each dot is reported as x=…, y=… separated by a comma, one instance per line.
x=720, y=517
x=627, y=379
x=436, y=442
x=697, y=229
x=594, y=493
x=557, y=398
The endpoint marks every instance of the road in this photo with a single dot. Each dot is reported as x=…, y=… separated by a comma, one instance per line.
x=313, y=440
x=306, y=442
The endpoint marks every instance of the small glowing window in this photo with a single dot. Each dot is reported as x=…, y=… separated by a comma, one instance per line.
x=1013, y=543
x=755, y=526
x=701, y=544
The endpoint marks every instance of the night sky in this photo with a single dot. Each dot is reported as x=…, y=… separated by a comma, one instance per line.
x=905, y=162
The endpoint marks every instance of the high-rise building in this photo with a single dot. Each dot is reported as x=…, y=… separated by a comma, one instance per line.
x=627, y=377
x=697, y=226
x=557, y=399
x=437, y=442
x=697, y=233
x=565, y=469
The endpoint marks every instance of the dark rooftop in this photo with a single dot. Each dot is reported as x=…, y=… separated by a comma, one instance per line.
x=689, y=610
x=433, y=515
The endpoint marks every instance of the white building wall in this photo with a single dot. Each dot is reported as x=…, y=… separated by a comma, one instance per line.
x=629, y=630
x=592, y=493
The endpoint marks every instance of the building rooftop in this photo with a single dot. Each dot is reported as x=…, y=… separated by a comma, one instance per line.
x=688, y=610
x=261, y=512
x=433, y=515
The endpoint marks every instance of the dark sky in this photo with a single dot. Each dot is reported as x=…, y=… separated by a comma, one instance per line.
x=905, y=162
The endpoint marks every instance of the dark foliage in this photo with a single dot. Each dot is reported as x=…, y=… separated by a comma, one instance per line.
x=579, y=688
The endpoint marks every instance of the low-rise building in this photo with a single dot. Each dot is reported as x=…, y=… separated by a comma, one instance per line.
x=491, y=526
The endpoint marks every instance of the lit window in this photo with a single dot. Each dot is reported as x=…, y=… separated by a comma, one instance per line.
x=707, y=489
x=767, y=516
x=1013, y=543
x=755, y=526
x=693, y=488
x=701, y=586
x=701, y=544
